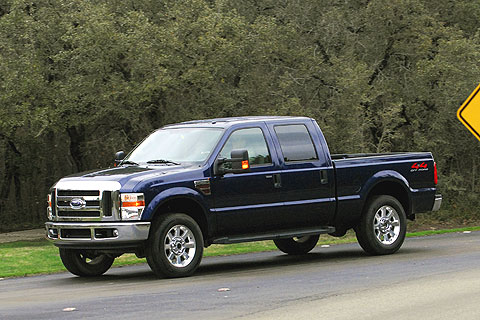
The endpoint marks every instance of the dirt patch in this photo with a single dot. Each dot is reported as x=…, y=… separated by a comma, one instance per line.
x=26, y=235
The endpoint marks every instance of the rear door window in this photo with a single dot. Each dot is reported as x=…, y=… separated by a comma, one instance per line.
x=296, y=143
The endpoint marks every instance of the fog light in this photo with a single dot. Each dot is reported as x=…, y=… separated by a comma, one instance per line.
x=52, y=233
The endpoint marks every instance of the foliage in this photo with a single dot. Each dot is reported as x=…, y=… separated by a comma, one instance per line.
x=80, y=80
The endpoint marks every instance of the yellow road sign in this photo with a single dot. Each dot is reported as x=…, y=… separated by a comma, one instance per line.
x=469, y=113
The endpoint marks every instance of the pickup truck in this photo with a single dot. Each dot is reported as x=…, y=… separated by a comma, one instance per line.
x=230, y=180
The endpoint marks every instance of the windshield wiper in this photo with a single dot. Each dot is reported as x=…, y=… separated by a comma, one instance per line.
x=163, y=161
x=129, y=162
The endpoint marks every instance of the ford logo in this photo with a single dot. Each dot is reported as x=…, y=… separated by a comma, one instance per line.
x=77, y=203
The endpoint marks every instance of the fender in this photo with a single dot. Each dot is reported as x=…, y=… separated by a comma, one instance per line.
x=386, y=176
x=172, y=193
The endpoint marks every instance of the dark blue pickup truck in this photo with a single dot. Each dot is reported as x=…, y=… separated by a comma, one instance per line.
x=221, y=181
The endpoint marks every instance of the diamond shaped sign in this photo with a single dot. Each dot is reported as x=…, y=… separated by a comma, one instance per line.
x=469, y=113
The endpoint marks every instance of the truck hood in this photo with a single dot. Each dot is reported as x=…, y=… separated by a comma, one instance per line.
x=128, y=177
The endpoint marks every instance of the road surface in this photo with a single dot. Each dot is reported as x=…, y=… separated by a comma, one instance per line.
x=436, y=277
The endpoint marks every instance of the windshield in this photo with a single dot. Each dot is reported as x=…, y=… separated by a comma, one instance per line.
x=177, y=146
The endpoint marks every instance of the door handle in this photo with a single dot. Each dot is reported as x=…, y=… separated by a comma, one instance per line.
x=277, y=180
x=323, y=177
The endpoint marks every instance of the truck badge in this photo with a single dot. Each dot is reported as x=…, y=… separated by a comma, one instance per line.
x=77, y=203
x=203, y=186
x=419, y=167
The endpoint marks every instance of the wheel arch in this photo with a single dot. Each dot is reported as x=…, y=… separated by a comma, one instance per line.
x=181, y=200
x=389, y=183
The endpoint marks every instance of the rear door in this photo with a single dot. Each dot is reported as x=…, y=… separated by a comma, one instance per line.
x=307, y=177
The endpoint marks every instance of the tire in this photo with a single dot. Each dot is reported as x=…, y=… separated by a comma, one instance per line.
x=297, y=245
x=84, y=263
x=175, y=246
x=383, y=226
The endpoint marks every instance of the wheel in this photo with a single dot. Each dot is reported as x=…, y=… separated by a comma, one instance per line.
x=175, y=246
x=85, y=263
x=383, y=226
x=297, y=245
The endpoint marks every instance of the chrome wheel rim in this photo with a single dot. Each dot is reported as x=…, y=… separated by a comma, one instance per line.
x=386, y=225
x=179, y=246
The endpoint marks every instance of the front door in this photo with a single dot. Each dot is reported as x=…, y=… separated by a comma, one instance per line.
x=243, y=202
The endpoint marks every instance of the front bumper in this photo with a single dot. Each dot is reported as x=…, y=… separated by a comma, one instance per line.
x=97, y=234
x=437, y=203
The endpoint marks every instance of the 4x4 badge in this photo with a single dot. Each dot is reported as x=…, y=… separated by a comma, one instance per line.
x=419, y=167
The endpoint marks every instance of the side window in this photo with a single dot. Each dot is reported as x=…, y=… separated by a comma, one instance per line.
x=295, y=142
x=251, y=139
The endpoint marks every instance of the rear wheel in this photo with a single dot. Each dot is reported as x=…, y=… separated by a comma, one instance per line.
x=175, y=246
x=85, y=263
x=383, y=226
x=297, y=245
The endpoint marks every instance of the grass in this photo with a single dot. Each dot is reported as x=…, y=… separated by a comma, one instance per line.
x=24, y=258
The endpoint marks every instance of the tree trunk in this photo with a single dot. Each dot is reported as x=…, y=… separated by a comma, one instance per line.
x=77, y=142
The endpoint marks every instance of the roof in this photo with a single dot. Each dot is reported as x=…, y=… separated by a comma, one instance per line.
x=227, y=122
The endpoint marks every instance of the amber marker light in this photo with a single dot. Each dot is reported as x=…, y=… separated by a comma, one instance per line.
x=134, y=204
x=49, y=208
x=245, y=164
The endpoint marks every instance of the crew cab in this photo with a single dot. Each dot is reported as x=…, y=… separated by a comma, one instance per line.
x=221, y=181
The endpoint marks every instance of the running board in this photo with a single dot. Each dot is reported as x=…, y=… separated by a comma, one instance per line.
x=274, y=235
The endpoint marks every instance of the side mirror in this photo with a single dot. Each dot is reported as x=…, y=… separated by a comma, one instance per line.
x=238, y=160
x=119, y=156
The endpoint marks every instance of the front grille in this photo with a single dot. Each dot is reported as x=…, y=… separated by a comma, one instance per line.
x=79, y=214
x=54, y=203
x=82, y=204
x=107, y=203
x=90, y=203
x=72, y=193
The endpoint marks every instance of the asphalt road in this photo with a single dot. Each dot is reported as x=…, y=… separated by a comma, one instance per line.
x=436, y=277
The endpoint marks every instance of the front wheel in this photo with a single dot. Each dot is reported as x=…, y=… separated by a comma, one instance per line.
x=84, y=263
x=297, y=245
x=383, y=226
x=175, y=246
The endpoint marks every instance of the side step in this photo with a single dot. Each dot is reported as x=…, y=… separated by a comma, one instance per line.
x=273, y=235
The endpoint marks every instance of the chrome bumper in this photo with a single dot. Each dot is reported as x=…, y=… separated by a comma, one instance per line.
x=437, y=203
x=74, y=233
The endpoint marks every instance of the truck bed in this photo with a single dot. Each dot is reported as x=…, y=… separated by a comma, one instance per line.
x=343, y=156
x=356, y=174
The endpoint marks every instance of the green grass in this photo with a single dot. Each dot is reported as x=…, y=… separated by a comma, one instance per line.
x=432, y=232
x=24, y=258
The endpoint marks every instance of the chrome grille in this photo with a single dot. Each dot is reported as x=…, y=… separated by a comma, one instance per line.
x=95, y=204
x=78, y=193
x=79, y=213
x=92, y=201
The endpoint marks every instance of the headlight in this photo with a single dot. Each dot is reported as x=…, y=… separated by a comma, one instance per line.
x=131, y=205
x=49, y=207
